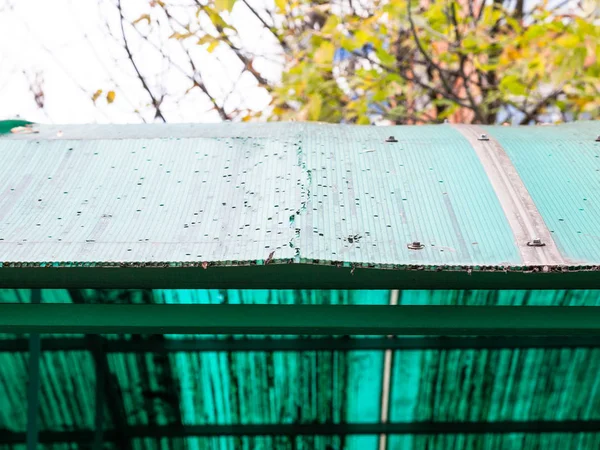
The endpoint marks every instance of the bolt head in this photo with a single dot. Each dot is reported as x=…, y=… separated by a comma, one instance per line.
x=391, y=139
x=483, y=137
x=598, y=138
x=536, y=242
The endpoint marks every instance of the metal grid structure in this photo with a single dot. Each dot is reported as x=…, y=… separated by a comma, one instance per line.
x=135, y=389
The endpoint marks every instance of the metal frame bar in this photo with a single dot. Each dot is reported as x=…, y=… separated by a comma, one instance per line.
x=343, y=344
x=33, y=388
x=299, y=319
x=386, y=380
x=108, y=391
x=98, y=442
x=320, y=429
x=295, y=276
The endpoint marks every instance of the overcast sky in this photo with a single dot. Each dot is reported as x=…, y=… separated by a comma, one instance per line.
x=66, y=42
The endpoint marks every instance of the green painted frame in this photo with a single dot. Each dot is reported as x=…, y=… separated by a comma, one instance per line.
x=299, y=319
x=292, y=276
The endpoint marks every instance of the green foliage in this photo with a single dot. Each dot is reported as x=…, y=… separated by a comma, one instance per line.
x=392, y=60
x=442, y=62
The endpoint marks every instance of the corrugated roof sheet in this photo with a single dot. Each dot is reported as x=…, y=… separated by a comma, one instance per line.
x=199, y=388
x=231, y=194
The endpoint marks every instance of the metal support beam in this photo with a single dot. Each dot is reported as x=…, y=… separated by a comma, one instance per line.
x=33, y=389
x=386, y=380
x=318, y=429
x=344, y=344
x=112, y=396
x=299, y=319
x=107, y=386
x=99, y=403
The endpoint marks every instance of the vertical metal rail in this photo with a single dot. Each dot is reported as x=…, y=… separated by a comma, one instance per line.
x=99, y=400
x=386, y=380
x=33, y=389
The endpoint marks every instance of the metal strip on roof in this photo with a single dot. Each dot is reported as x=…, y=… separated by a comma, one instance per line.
x=560, y=167
x=533, y=238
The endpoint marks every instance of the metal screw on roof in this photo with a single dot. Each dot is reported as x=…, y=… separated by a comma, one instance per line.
x=391, y=139
x=598, y=138
x=483, y=137
x=537, y=242
x=415, y=245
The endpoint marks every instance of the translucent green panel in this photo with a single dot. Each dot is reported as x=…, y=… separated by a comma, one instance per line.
x=469, y=385
x=249, y=443
x=560, y=168
x=580, y=441
x=389, y=195
x=13, y=391
x=67, y=391
x=493, y=297
x=254, y=387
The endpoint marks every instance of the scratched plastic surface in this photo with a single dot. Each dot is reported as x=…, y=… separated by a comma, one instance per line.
x=239, y=192
x=560, y=167
x=369, y=199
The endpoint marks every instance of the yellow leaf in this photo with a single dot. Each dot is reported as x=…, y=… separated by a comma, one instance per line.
x=324, y=54
x=568, y=41
x=362, y=37
x=180, y=36
x=224, y=5
x=110, y=97
x=513, y=85
x=97, y=94
x=206, y=39
x=212, y=46
x=332, y=22
x=281, y=5
x=349, y=44
x=470, y=43
x=314, y=107
x=145, y=17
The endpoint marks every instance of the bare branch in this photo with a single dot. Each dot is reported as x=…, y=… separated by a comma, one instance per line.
x=423, y=51
x=247, y=62
x=155, y=101
x=466, y=81
x=531, y=115
x=267, y=26
x=196, y=78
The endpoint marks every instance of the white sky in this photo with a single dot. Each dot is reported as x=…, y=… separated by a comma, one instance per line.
x=66, y=41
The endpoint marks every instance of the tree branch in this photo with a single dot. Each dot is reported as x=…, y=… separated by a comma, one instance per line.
x=461, y=67
x=267, y=26
x=155, y=101
x=541, y=104
x=423, y=51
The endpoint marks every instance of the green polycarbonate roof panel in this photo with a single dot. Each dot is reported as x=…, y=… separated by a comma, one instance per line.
x=302, y=198
x=369, y=199
x=237, y=193
x=560, y=167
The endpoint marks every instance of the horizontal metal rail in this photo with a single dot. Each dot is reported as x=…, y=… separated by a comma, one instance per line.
x=302, y=344
x=299, y=319
x=319, y=429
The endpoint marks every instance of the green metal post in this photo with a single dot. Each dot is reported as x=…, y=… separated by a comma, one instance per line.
x=33, y=388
